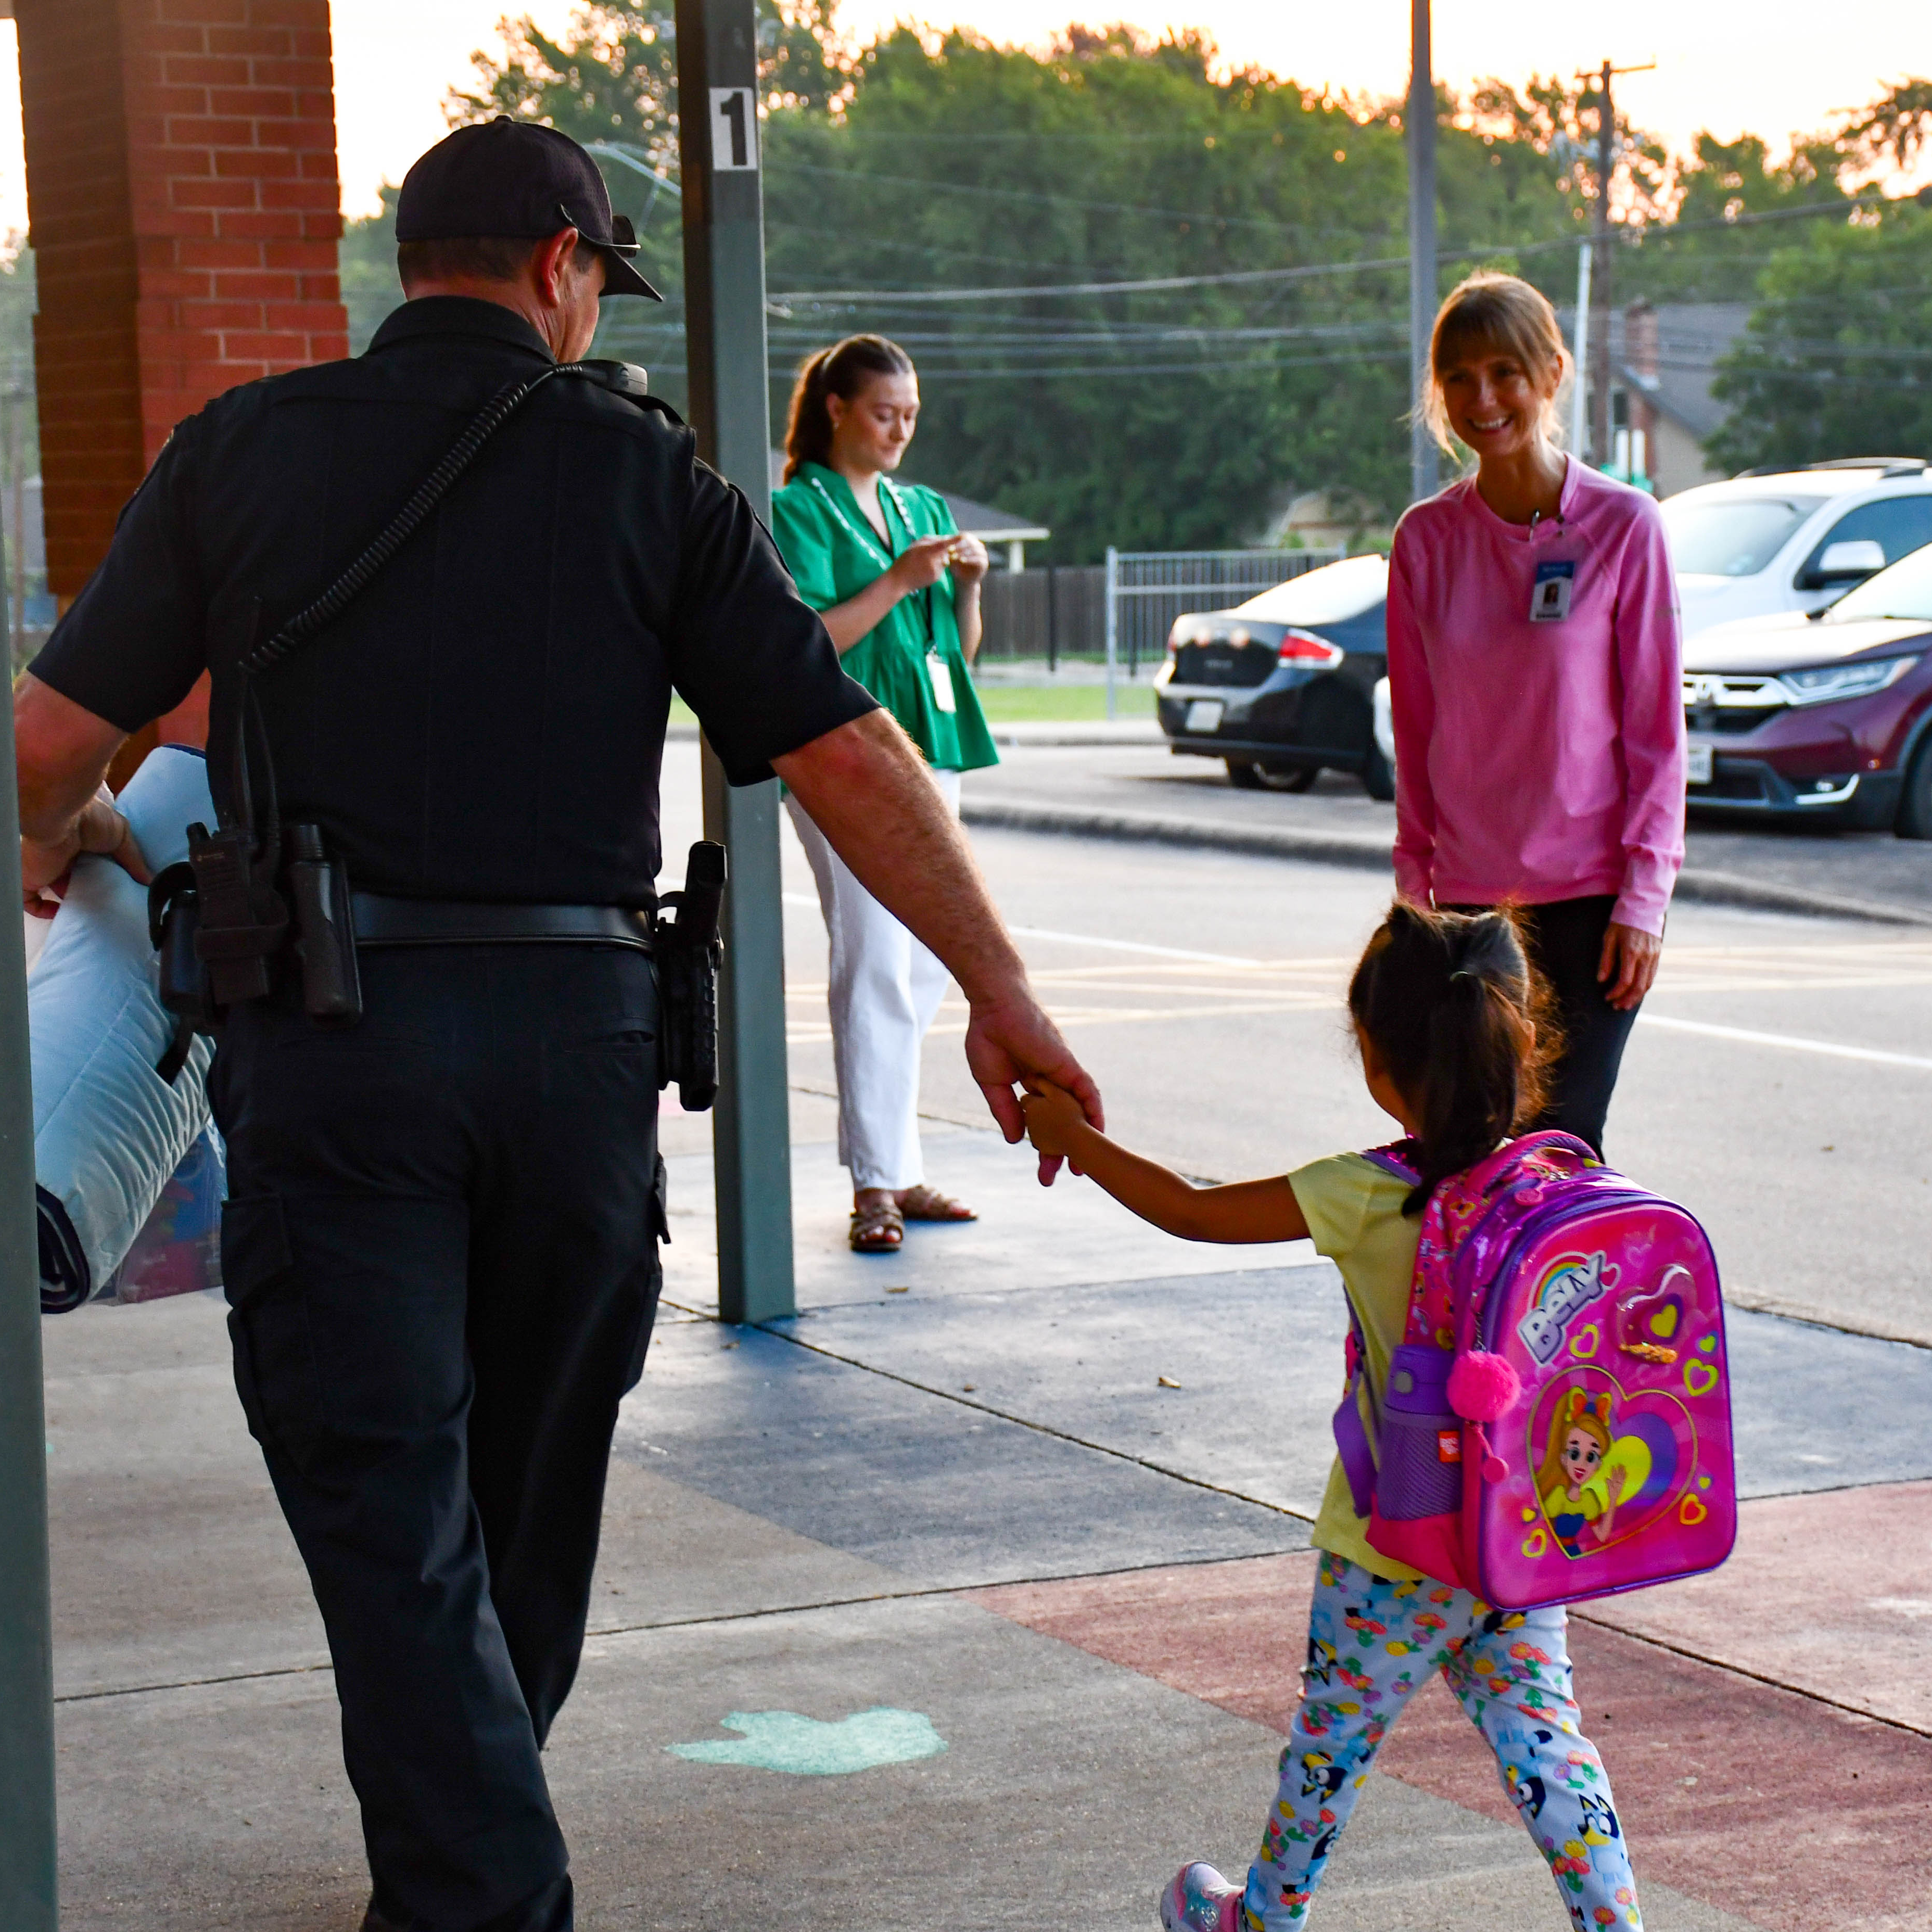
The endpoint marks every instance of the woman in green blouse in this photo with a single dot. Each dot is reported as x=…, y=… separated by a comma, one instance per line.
x=899, y=588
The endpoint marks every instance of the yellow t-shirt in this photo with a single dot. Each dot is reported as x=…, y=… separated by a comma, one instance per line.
x=1354, y=1212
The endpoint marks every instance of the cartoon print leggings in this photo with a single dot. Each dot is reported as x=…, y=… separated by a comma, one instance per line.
x=1372, y=1645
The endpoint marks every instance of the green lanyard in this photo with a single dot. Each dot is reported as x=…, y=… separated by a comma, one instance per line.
x=867, y=541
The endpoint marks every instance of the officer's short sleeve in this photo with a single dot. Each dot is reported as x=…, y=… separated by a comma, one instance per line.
x=134, y=641
x=798, y=526
x=747, y=655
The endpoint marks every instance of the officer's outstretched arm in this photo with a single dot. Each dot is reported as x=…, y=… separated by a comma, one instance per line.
x=62, y=752
x=865, y=786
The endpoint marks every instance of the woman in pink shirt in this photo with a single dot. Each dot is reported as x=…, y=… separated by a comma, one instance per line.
x=1535, y=674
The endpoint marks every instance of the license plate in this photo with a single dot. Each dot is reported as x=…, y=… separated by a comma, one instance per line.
x=1699, y=768
x=1204, y=715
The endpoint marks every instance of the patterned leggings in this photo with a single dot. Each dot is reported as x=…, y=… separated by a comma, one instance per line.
x=1372, y=1645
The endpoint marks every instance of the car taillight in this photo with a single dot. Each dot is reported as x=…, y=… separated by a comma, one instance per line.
x=1303, y=650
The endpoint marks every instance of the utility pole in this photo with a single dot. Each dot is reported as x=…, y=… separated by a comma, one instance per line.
x=1604, y=281
x=1422, y=454
x=731, y=409
x=1601, y=280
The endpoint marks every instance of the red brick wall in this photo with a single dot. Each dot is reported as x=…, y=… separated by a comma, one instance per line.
x=183, y=202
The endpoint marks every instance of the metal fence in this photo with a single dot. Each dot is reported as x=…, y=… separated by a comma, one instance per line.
x=1146, y=590
x=1123, y=610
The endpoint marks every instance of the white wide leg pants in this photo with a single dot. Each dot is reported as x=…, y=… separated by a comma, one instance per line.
x=885, y=989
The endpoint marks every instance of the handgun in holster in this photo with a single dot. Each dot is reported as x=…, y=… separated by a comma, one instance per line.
x=689, y=953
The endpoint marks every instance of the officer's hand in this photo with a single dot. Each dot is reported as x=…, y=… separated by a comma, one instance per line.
x=1010, y=1041
x=45, y=869
x=970, y=560
x=922, y=564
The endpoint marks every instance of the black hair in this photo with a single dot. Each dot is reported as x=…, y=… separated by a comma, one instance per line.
x=1463, y=1023
x=841, y=371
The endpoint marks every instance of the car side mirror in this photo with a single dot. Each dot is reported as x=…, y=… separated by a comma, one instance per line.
x=1844, y=562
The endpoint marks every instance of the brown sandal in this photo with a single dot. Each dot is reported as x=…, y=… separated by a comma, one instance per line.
x=878, y=1228
x=927, y=1204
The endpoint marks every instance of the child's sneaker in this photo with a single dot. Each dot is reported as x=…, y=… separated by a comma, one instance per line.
x=1198, y=1899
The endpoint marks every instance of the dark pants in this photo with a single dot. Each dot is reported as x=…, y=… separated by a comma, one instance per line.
x=1566, y=938
x=441, y=1263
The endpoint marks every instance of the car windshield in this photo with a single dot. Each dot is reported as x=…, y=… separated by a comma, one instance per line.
x=1905, y=591
x=1331, y=595
x=1735, y=536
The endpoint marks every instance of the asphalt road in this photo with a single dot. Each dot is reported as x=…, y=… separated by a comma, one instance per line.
x=1871, y=866
x=1777, y=1084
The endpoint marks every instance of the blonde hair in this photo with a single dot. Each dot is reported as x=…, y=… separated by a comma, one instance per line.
x=1504, y=311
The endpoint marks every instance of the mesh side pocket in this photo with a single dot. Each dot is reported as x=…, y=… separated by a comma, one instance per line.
x=1414, y=1480
x=1419, y=1457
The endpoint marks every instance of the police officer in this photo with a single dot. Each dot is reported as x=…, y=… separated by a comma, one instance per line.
x=439, y=1245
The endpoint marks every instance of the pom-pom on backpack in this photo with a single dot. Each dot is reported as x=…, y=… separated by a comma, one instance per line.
x=1557, y=1424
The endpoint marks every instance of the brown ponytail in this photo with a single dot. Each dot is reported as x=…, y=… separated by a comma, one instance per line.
x=1465, y=1025
x=841, y=371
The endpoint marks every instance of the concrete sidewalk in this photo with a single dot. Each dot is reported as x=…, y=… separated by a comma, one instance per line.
x=1035, y=1615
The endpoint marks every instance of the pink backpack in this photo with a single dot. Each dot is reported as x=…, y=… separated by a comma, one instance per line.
x=1558, y=1420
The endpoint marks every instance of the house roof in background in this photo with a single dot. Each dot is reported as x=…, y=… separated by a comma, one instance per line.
x=983, y=521
x=1691, y=337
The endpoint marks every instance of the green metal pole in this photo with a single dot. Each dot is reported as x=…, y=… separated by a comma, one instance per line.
x=29, y=1892
x=730, y=406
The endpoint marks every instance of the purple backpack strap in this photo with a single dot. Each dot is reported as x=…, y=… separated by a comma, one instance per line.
x=1351, y=1434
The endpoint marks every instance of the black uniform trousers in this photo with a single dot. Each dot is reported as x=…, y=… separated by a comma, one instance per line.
x=440, y=1254
x=1566, y=940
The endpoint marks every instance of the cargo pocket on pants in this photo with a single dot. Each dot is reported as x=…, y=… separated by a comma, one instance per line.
x=276, y=1374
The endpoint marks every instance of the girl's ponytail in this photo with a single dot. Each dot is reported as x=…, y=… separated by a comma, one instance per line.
x=1460, y=1020
x=842, y=370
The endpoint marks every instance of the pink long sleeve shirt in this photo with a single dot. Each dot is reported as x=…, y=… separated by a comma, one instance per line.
x=1537, y=761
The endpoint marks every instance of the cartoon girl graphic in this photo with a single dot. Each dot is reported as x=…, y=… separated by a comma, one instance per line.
x=1580, y=1437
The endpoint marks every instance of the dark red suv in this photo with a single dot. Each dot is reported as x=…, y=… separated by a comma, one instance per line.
x=1827, y=716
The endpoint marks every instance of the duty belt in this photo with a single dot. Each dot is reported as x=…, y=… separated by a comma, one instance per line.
x=381, y=920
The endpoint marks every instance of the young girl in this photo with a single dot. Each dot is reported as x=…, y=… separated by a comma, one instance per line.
x=1444, y=1005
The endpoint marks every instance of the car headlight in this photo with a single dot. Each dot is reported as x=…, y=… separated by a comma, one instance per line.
x=1844, y=680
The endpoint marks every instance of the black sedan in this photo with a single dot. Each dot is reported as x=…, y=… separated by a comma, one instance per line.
x=1283, y=687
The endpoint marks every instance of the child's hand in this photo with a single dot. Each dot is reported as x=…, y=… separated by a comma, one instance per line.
x=1053, y=1118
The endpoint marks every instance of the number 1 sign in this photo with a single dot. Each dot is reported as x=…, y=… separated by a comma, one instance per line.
x=734, y=129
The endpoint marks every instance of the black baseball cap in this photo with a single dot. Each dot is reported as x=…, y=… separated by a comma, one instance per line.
x=518, y=181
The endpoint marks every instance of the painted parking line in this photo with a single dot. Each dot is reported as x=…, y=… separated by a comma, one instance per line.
x=1794, y=1042
x=1691, y=970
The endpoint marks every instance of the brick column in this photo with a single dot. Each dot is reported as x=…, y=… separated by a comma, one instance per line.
x=183, y=205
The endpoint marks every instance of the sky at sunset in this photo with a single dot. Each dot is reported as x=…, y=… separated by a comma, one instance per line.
x=1776, y=69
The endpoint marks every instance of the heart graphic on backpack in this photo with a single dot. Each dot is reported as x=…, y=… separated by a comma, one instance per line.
x=1608, y=1463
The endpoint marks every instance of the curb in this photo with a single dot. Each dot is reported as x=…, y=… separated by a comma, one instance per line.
x=1365, y=853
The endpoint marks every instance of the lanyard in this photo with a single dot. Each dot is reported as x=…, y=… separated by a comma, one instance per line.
x=867, y=541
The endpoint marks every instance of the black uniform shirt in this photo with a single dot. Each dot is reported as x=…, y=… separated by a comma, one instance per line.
x=487, y=721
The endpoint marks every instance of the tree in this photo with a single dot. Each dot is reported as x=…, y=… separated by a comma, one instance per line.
x=1838, y=359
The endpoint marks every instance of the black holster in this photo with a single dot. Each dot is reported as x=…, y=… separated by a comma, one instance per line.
x=688, y=954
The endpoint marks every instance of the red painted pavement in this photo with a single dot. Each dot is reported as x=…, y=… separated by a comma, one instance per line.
x=1749, y=1795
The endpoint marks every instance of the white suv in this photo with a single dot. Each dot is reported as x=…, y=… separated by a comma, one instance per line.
x=1794, y=539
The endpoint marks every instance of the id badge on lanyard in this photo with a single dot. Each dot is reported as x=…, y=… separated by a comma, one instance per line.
x=1549, y=595
x=940, y=673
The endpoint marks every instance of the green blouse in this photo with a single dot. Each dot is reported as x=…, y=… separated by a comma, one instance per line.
x=911, y=660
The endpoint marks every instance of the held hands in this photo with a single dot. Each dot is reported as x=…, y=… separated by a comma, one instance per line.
x=45, y=869
x=1009, y=1041
x=1629, y=963
x=1053, y=1119
x=924, y=563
